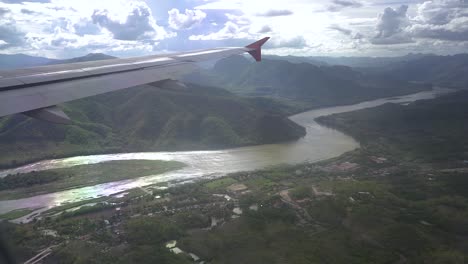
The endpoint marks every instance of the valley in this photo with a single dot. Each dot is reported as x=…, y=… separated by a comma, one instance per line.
x=216, y=192
x=368, y=205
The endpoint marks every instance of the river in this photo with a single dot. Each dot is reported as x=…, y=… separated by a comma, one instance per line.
x=319, y=143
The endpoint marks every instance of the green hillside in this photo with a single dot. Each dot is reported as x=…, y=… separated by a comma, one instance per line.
x=147, y=118
x=429, y=131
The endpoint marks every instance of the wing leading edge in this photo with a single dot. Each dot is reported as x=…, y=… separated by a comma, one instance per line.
x=37, y=91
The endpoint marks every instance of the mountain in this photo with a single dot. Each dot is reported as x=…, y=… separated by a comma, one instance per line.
x=88, y=57
x=304, y=82
x=441, y=70
x=25, y=61
x=367, y=62
x=428, y=130
x=355, y=62
x=22, y=61
x=148, y=118
x=296, y=59
x=447, y=71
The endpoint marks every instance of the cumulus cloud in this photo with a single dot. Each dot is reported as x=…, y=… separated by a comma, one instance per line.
x=229, y=31
x=275, y=13
x=139, y=24
x=238, y=19
x=298, y=42
x=187, y=20
x=392, y=21
x=265, y=29
x=64, y=28
x=391, y=26
x=85, y=26
x=443, y=19
x=11, y=36
x=338, y=5
x=74, y=27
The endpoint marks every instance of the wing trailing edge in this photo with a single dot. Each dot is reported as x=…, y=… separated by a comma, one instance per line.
x=51, y=114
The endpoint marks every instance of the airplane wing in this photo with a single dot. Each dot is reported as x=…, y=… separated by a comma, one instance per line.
x=37, y=91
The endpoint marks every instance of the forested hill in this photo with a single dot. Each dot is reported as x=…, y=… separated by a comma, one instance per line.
x=147, y=118
x=431, y=131
x=449, y=71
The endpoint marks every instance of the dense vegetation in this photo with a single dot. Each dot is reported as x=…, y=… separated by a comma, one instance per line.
x=404, y=200
x=433, y=130
x=148, y=118
x=38, y=182
x=447, y=71
x=405, y=216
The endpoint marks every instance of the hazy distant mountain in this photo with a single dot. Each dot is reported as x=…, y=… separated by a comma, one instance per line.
x=25, y=61
x=296, y=59
x=368, y=62
x=449, y=71
x=355, y=62
x=22, y=61
x=88, y=57
x=316, y=85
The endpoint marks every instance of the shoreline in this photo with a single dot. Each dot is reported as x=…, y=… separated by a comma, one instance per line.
x=196, y=173
x=121, y=150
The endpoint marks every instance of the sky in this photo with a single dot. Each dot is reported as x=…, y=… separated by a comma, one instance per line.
x=71, y=28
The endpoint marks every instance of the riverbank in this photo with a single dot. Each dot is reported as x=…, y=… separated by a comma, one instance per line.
x=147, y=118
x=370, y=205
x=320, y=143
x=22, y=185
x=351, y=209
x=70, y=150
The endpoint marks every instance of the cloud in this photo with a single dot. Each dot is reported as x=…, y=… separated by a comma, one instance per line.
x=392, y=21
x=187, y=20
x=229, y=31
x=11, y=36
x=346, y=31
x=298, y=42
x=85, y=26
x=27, y=11
x=265, y=29
x=138, y=25
x=3, y=11
x=64, y=28
x=238, y=19
x=391, y=27
x=443, y=19
x=338, y=5
x=22, y=1
x=442, y=11
x=341, y=29
x=276, y=13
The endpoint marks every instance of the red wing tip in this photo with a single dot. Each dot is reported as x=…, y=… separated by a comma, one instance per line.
x=256, y=47
x=258, y=44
